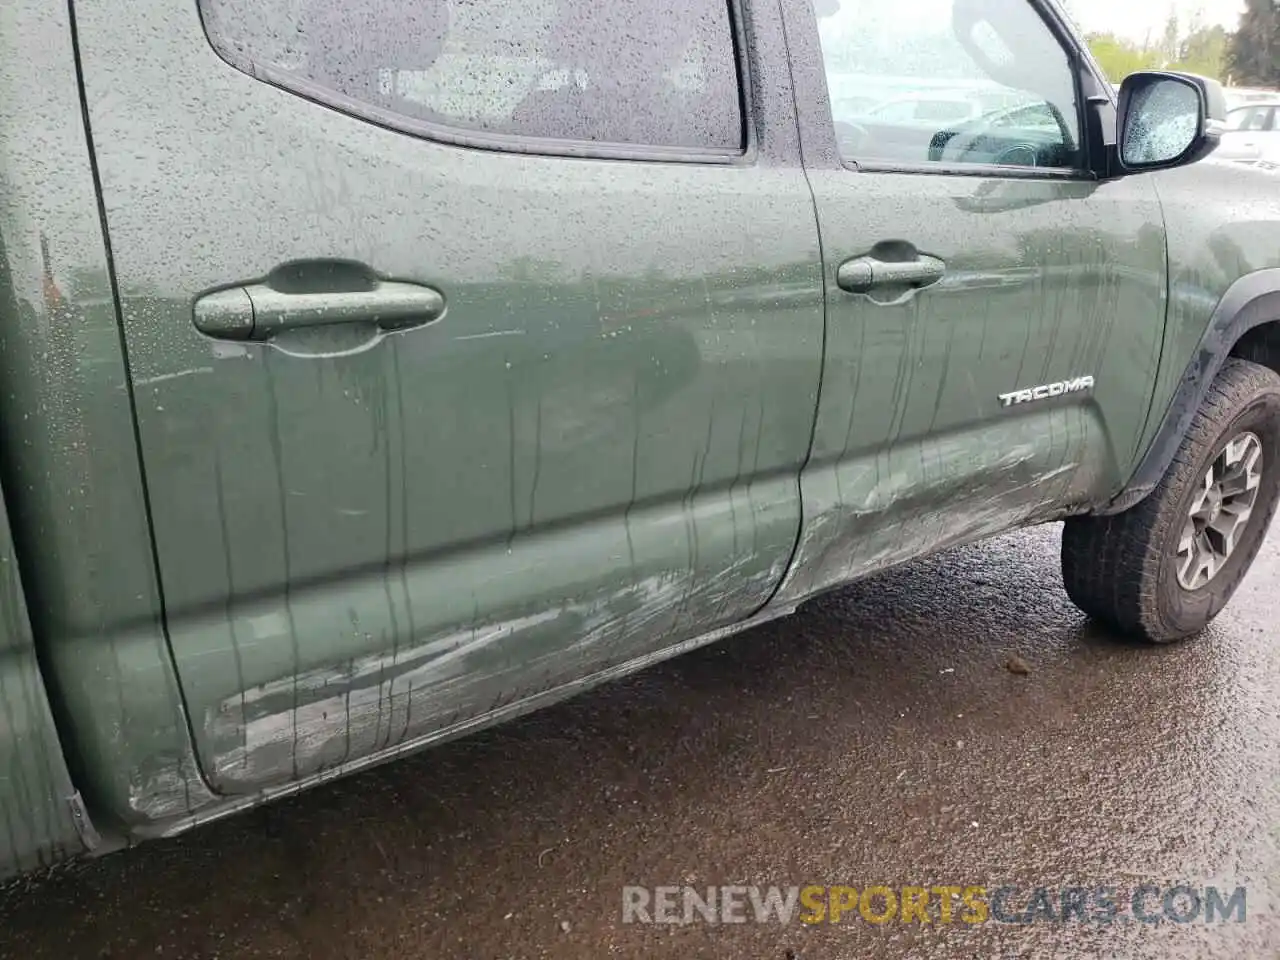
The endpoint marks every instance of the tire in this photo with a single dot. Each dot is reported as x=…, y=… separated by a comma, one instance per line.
x=1127, y=571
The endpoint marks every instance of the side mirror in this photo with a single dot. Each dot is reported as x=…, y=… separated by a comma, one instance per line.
x=1168, y=120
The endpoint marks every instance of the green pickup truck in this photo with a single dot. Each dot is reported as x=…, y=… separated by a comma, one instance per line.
x=374, y=372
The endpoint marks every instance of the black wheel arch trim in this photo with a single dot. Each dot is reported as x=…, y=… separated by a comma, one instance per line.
x=1251, y=301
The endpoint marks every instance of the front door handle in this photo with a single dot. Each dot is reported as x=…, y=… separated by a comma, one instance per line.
x=864, y=274
x=259, y=312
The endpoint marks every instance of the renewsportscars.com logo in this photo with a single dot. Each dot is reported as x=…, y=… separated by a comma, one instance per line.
x=933, y=904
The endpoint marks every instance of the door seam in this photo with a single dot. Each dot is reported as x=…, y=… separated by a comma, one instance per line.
x=822, y=358
x=118, y=307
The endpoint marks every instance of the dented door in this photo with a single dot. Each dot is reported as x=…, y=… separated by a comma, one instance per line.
x=575, y=443
x=993, y=331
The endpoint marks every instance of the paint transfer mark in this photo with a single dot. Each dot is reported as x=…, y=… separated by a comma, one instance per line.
x=161, y=795
x=260, y=733
x=222, y=350
x=461, y=727
x=488, y=336
x=148, y=381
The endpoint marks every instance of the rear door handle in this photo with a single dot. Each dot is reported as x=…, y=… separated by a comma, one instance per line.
x=864, y=274
x=259, y=312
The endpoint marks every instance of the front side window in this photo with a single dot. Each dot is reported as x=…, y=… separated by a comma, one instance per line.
x=958, y=82
x=582, y=70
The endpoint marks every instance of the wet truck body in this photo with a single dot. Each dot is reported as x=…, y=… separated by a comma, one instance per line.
x=339, y=417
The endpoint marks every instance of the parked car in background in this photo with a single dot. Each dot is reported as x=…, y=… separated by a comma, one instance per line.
x=928, y=108
x=1253, y=133
x=1243, y=96
x=934, y=107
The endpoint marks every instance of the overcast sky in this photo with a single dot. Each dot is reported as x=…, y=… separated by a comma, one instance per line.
x=1136, y=18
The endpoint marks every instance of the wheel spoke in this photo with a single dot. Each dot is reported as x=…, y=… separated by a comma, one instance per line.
x=1184, y=569
x=1202, y=566
x=1236, y=483
x=1227, y=526
x=1220, y=542
x=1200, y=505
x=1243, y=474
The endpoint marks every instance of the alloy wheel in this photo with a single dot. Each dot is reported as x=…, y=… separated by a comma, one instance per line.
x=1220, y=511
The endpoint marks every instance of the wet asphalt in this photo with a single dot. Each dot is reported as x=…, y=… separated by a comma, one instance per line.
x=878, y=737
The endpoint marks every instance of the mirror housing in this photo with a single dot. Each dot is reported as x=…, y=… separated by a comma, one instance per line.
x=1202, y=111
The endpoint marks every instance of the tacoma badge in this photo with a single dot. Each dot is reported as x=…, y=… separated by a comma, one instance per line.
x=1047, y=391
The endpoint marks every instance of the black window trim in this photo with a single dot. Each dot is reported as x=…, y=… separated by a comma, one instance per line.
x=1085, y=172
x=306, y=89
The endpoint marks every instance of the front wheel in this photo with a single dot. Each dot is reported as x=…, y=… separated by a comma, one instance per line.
x=1166, y=567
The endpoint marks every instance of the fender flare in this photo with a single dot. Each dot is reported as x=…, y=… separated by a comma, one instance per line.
x=1251, y=301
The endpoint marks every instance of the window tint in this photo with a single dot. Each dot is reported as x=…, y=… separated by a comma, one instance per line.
x=661, y=75
x=950, y=81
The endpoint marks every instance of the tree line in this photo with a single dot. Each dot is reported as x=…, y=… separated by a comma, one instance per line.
x=1249, y=57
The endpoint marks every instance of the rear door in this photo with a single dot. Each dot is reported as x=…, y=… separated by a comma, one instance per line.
x=995, y=314
x=475, y=348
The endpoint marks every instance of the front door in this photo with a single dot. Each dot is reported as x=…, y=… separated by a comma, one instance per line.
x=475, y=350
x=995, y=314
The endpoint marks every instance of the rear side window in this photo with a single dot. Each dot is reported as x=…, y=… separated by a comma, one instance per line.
x=640, y=73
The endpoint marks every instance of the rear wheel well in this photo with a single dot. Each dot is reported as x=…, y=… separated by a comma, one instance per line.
x=1261, y=345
